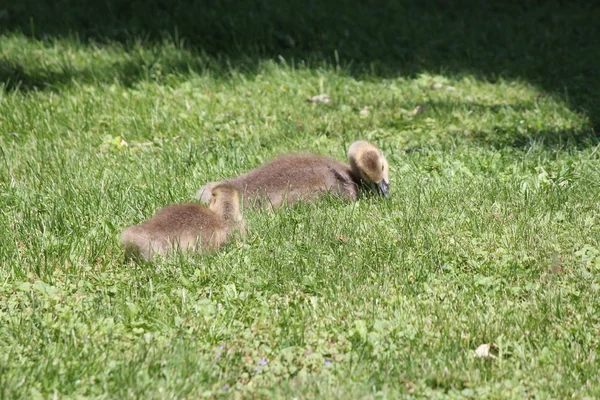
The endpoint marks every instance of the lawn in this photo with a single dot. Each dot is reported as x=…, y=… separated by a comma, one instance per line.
x=487, y=114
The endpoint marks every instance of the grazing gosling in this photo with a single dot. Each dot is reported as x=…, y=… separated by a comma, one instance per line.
x=187, y=226
x=290, y=178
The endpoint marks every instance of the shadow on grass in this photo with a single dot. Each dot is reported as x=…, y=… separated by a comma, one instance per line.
x=505, y=128
x=127, y=73
x=551, y=44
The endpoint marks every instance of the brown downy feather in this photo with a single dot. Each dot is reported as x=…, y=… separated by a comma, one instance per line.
x=187, y=226
x=290, y=178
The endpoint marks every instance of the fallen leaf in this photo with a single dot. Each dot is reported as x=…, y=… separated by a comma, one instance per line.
x=484, y=350
x=418, y=110
x=365, y=110
x=556, y=266
x=322, y=98
x=410, y=387
x=247, y=359
x=113, y=143
x=341, y=238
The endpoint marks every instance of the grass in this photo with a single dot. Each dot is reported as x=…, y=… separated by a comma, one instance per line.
x=491, y=233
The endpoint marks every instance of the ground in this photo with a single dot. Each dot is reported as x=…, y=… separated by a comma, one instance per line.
x=487, y=114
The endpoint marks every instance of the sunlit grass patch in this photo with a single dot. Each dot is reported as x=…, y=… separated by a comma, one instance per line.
x=490, y=235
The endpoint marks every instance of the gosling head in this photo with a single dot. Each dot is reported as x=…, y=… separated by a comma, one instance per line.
x=225, y=202
x=368, y=163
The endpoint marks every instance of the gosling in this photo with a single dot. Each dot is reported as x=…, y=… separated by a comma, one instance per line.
x=287, y=179
x=187, y=226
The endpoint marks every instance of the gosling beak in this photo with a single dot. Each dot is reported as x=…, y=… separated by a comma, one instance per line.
x=382, y=188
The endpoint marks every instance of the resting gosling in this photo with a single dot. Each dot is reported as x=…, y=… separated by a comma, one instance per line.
x=187, y=226
x=290, y=178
